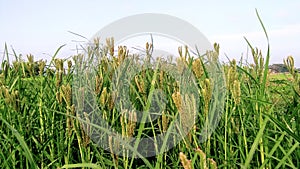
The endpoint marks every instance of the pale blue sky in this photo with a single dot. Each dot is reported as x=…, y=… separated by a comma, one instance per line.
x=40, y=27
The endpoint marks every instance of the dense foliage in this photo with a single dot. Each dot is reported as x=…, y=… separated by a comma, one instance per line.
x=40, y=127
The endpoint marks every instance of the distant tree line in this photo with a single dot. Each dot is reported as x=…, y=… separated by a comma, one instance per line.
x=280, y=68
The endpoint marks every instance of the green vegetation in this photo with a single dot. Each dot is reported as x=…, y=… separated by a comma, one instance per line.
x=281, y=76
x=40, y=127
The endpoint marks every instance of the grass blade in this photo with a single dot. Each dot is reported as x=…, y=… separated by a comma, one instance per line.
x=255, y=143
x=22, y=142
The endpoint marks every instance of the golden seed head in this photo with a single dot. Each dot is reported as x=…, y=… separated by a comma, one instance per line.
x=161, y=78
x=15, y=94
x=261, y=61
x=122, y=54
x=96, y=41
x=16, y=99
x=120, y=51
x=57, y=63
x=207, y=83
x=233, y=63
x=197, y=68
x=217, y=48
x=114, y=148
x=2, y=91
x=207, y=92
x=204, y=93
x=99, y=82
x=61, y=66
x=289, y=63
x=123, y=121
x=111, y=100
x=147, y=46
x=103, y=96
x=140, y=84
x=212, y=163
x=202, y=157
x=30, y=58
x=184, y=161
x=212, y=56
x=73, y=110
x=16, y=65
x=181, y=64
x=165, y=121
x=236, y=91
x=111, y=45
x=112, y=51
x=131, y=124
x=107, y=41
x=67, y=93
x=58, y=97
x=59, y=80
x=231, y=75
x=186, y=52
x=177, y=100
x=42, y=65
x=255, y=56
x=290, y=60
x=69, y=64
x=8, y=98
x=180, y=51
x=81, y=99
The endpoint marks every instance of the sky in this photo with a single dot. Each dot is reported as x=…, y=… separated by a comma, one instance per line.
x=40, y=27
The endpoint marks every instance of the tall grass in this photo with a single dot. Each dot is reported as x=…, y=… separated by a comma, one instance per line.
x=41, y=127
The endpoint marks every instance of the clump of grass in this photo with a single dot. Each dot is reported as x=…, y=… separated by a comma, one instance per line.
x=41, y=126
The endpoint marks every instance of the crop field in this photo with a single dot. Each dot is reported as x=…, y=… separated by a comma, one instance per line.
x=43, y=123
